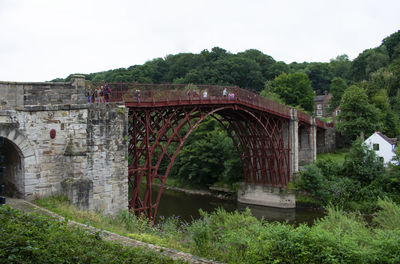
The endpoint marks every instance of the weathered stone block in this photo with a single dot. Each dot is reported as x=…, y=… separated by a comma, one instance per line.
x=266, y=196
x=79, y=192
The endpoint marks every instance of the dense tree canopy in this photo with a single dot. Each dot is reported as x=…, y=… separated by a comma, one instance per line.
x=294, y=89
x=357, y=114
x=338, y=86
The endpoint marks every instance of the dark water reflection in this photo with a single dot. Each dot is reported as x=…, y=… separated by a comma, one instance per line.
x=186, y=206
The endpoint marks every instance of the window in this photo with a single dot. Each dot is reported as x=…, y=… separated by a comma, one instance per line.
x=376, y=146
x=319, y=112
x=381, y=159
x=319, y=106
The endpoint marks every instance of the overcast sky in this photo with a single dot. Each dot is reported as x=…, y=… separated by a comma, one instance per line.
x=44, y=39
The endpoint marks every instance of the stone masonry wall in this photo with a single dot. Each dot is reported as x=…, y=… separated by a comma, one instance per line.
x=87, y=158
x=108, y=156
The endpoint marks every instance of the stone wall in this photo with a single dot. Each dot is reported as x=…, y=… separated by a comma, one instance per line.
x=108, y=156
x=87, y=159
x=17, y=95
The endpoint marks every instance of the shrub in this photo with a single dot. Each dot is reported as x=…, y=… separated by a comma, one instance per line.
x=31, y=238
x=362, y=164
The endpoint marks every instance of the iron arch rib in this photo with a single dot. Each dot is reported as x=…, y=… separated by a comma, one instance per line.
x=258, y=138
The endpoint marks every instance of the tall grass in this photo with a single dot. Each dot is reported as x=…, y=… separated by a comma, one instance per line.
x=33, y=238
x=235, y=237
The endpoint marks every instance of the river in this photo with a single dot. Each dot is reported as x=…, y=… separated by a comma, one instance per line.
x=186, y=206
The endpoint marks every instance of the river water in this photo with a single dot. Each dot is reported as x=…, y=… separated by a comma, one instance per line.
x=186, y=206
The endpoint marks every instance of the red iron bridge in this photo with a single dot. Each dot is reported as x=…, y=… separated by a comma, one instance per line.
x=271, y=139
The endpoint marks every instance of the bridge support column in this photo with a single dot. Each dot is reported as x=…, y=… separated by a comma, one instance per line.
x=313, y=139
x=266, y=196
x=294, y=143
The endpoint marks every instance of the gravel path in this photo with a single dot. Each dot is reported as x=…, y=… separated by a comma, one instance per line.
x=29, y=207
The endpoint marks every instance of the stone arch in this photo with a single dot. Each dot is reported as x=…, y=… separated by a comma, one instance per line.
x=20, y=162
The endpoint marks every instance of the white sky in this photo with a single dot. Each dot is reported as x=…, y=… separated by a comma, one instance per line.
x=44, y=39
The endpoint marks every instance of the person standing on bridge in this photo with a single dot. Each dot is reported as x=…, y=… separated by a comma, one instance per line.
x=205, y=94
x=89, y=94
x=224, y=92
x=107, y=92
x=97, y=95
x=136, y=96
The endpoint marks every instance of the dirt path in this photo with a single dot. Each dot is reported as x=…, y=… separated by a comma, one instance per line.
x=29, y=207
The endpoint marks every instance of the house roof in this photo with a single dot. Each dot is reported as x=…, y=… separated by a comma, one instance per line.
x=392, y=141
x=319, y=98
x=322, y=98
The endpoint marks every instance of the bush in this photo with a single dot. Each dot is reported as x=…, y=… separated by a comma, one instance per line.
x=235, y=237
x=362, y=164
x=356, y=184
x=31, y=238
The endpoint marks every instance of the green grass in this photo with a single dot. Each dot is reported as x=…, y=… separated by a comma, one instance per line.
x=235, y=237
x=125, y=224
x=33, y=238
x=336, y=156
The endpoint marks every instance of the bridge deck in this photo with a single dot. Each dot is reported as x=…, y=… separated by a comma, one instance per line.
x=158, y=95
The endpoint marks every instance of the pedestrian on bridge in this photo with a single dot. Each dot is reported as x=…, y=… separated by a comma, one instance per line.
x=107, y=92
x=136, y=96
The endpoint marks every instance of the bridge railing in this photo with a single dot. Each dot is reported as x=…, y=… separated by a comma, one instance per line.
x=156, y=93
x=191, y=93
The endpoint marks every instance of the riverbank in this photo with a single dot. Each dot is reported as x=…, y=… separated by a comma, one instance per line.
x=219, y=193
x=235, y=237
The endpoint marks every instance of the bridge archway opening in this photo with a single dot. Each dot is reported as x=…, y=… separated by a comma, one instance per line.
x=259, y=140
x=13, y=178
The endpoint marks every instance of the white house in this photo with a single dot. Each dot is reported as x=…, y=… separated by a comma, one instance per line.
x=383, y=146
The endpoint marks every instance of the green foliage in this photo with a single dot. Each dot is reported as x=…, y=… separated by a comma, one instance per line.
x=357, y=114
x=362, y=164
x=338, y=86
x=294, y=89
x=392, y=44
x=268, y=92
x=388, y=217
x=208, y=156
x=236, y=237
x=341, y=67
x=320, y=75
x=31, y=238
x=337, y=156
x=356, y=183
x=367, y=62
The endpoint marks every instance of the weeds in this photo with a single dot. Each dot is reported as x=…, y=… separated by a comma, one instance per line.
x=32, y=238
x=235, y=237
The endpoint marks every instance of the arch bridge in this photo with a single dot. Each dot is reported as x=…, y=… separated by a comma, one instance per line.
x=271, y=139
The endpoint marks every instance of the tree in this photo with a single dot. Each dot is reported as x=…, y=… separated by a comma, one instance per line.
x=294, y=89
x=362, y=164
x=357, y=114
x=268, y=92
x=381, y=83
x=338, y=86
x=367, y=62
x=208, y=156
x=320, y=75
x=341, y=66
x=392, y=44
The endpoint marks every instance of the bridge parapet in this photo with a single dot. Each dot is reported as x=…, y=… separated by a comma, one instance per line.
x=21, y=94
x=171, y=94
